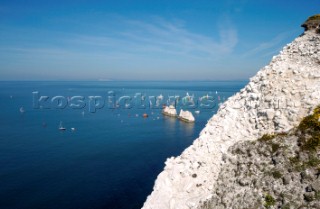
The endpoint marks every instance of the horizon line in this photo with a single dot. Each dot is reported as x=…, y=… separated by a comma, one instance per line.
x=102, y=80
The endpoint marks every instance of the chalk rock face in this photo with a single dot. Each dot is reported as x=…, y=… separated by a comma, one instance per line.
x=186, y=115
x=275, y=100
x=281, y=167
x=170, y=111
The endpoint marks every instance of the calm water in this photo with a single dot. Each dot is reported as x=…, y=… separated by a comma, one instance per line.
x=111, y=159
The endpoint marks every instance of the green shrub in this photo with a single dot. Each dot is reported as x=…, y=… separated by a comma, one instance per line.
x=275, y=147
x=310, y=125
x=266, y=137
x=276, y=174
x=286, y=206
x=314, y=17
x=269, y=201
x=312, y=144
x=313, y=161
x=294, y=160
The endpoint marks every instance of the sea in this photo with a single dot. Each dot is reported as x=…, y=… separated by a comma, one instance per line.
x=108, y=154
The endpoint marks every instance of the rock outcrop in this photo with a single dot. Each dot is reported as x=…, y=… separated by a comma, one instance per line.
x=313, y=23
x=273, y=102
x=186, y=116
x=170, y=111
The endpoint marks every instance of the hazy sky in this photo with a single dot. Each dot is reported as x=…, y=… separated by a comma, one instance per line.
x=145, y=40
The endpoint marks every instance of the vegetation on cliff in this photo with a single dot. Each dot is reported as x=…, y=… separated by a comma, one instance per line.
x=312, y=23
x=276, y=171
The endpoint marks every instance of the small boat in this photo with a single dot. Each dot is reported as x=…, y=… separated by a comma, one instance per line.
x=73, y=129
x=61, y=128
x=21, y=110
x=197, y=111
x=145, y=115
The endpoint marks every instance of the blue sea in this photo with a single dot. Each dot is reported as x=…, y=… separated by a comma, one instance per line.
x=108, y=158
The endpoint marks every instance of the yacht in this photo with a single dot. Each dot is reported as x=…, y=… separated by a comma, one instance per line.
x=61, y=128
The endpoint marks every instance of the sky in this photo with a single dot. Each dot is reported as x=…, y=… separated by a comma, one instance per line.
x=145, y=39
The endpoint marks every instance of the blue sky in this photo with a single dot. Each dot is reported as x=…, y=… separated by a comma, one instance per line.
x=145, y=40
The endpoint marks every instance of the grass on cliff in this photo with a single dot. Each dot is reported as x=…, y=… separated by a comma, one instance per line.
x=269, y=201
x=310, y=129
x=314, y=17
x=309, y=139
x=308, y=134
x=269, y=137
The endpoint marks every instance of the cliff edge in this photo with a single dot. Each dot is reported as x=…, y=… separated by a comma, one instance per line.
x=274, y=101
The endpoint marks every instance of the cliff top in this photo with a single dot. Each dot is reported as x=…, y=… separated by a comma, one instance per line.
x=312, y=23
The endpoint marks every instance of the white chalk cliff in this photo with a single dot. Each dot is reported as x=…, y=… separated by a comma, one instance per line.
x=275, y=100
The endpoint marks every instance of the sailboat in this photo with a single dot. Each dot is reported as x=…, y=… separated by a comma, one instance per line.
x=61, y=128
x=21, y=110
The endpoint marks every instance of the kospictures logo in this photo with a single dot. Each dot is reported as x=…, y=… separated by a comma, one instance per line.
x=112, y=101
